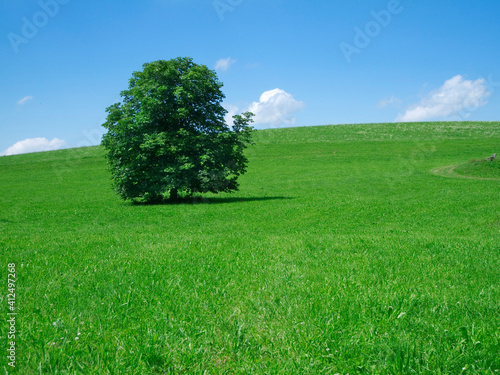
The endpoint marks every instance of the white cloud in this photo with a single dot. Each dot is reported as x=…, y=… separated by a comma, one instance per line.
x=224, y=64
x=24, y=100
x=388, y=101
x=275, y=107
x=455, y=96
x=231, y=111
x=34, y=145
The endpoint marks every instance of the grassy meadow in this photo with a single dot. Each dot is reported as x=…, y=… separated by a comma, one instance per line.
x=360, y=249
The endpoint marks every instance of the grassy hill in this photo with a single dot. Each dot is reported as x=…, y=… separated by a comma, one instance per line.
x=348, y=249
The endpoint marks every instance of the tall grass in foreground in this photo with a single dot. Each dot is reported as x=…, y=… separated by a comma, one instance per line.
x=341, y=253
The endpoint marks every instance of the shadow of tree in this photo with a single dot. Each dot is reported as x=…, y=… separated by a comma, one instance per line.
x=218, y=200
x=211, y=200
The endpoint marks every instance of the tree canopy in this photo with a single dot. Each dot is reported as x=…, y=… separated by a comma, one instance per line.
x=168, y=135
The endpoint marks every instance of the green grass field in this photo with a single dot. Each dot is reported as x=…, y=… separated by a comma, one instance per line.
x=480, y=168
x=348, y=249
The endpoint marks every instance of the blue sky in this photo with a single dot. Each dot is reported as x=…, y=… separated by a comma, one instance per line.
x=294, y=63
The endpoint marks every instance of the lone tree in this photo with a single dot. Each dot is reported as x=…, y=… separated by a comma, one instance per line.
x=169, y=135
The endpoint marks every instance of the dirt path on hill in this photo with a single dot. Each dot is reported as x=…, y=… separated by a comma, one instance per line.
x=449, y=171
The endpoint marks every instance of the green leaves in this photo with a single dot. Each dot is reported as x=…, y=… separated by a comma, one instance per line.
x=169, y=134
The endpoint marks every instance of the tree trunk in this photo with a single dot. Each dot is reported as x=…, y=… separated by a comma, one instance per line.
x=174, y=194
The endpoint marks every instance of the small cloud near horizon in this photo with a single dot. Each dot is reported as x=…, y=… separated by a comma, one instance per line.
x=224, y=64
x=24, y=100
x=274, y=108
x=455, y=96
x=34, y=145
